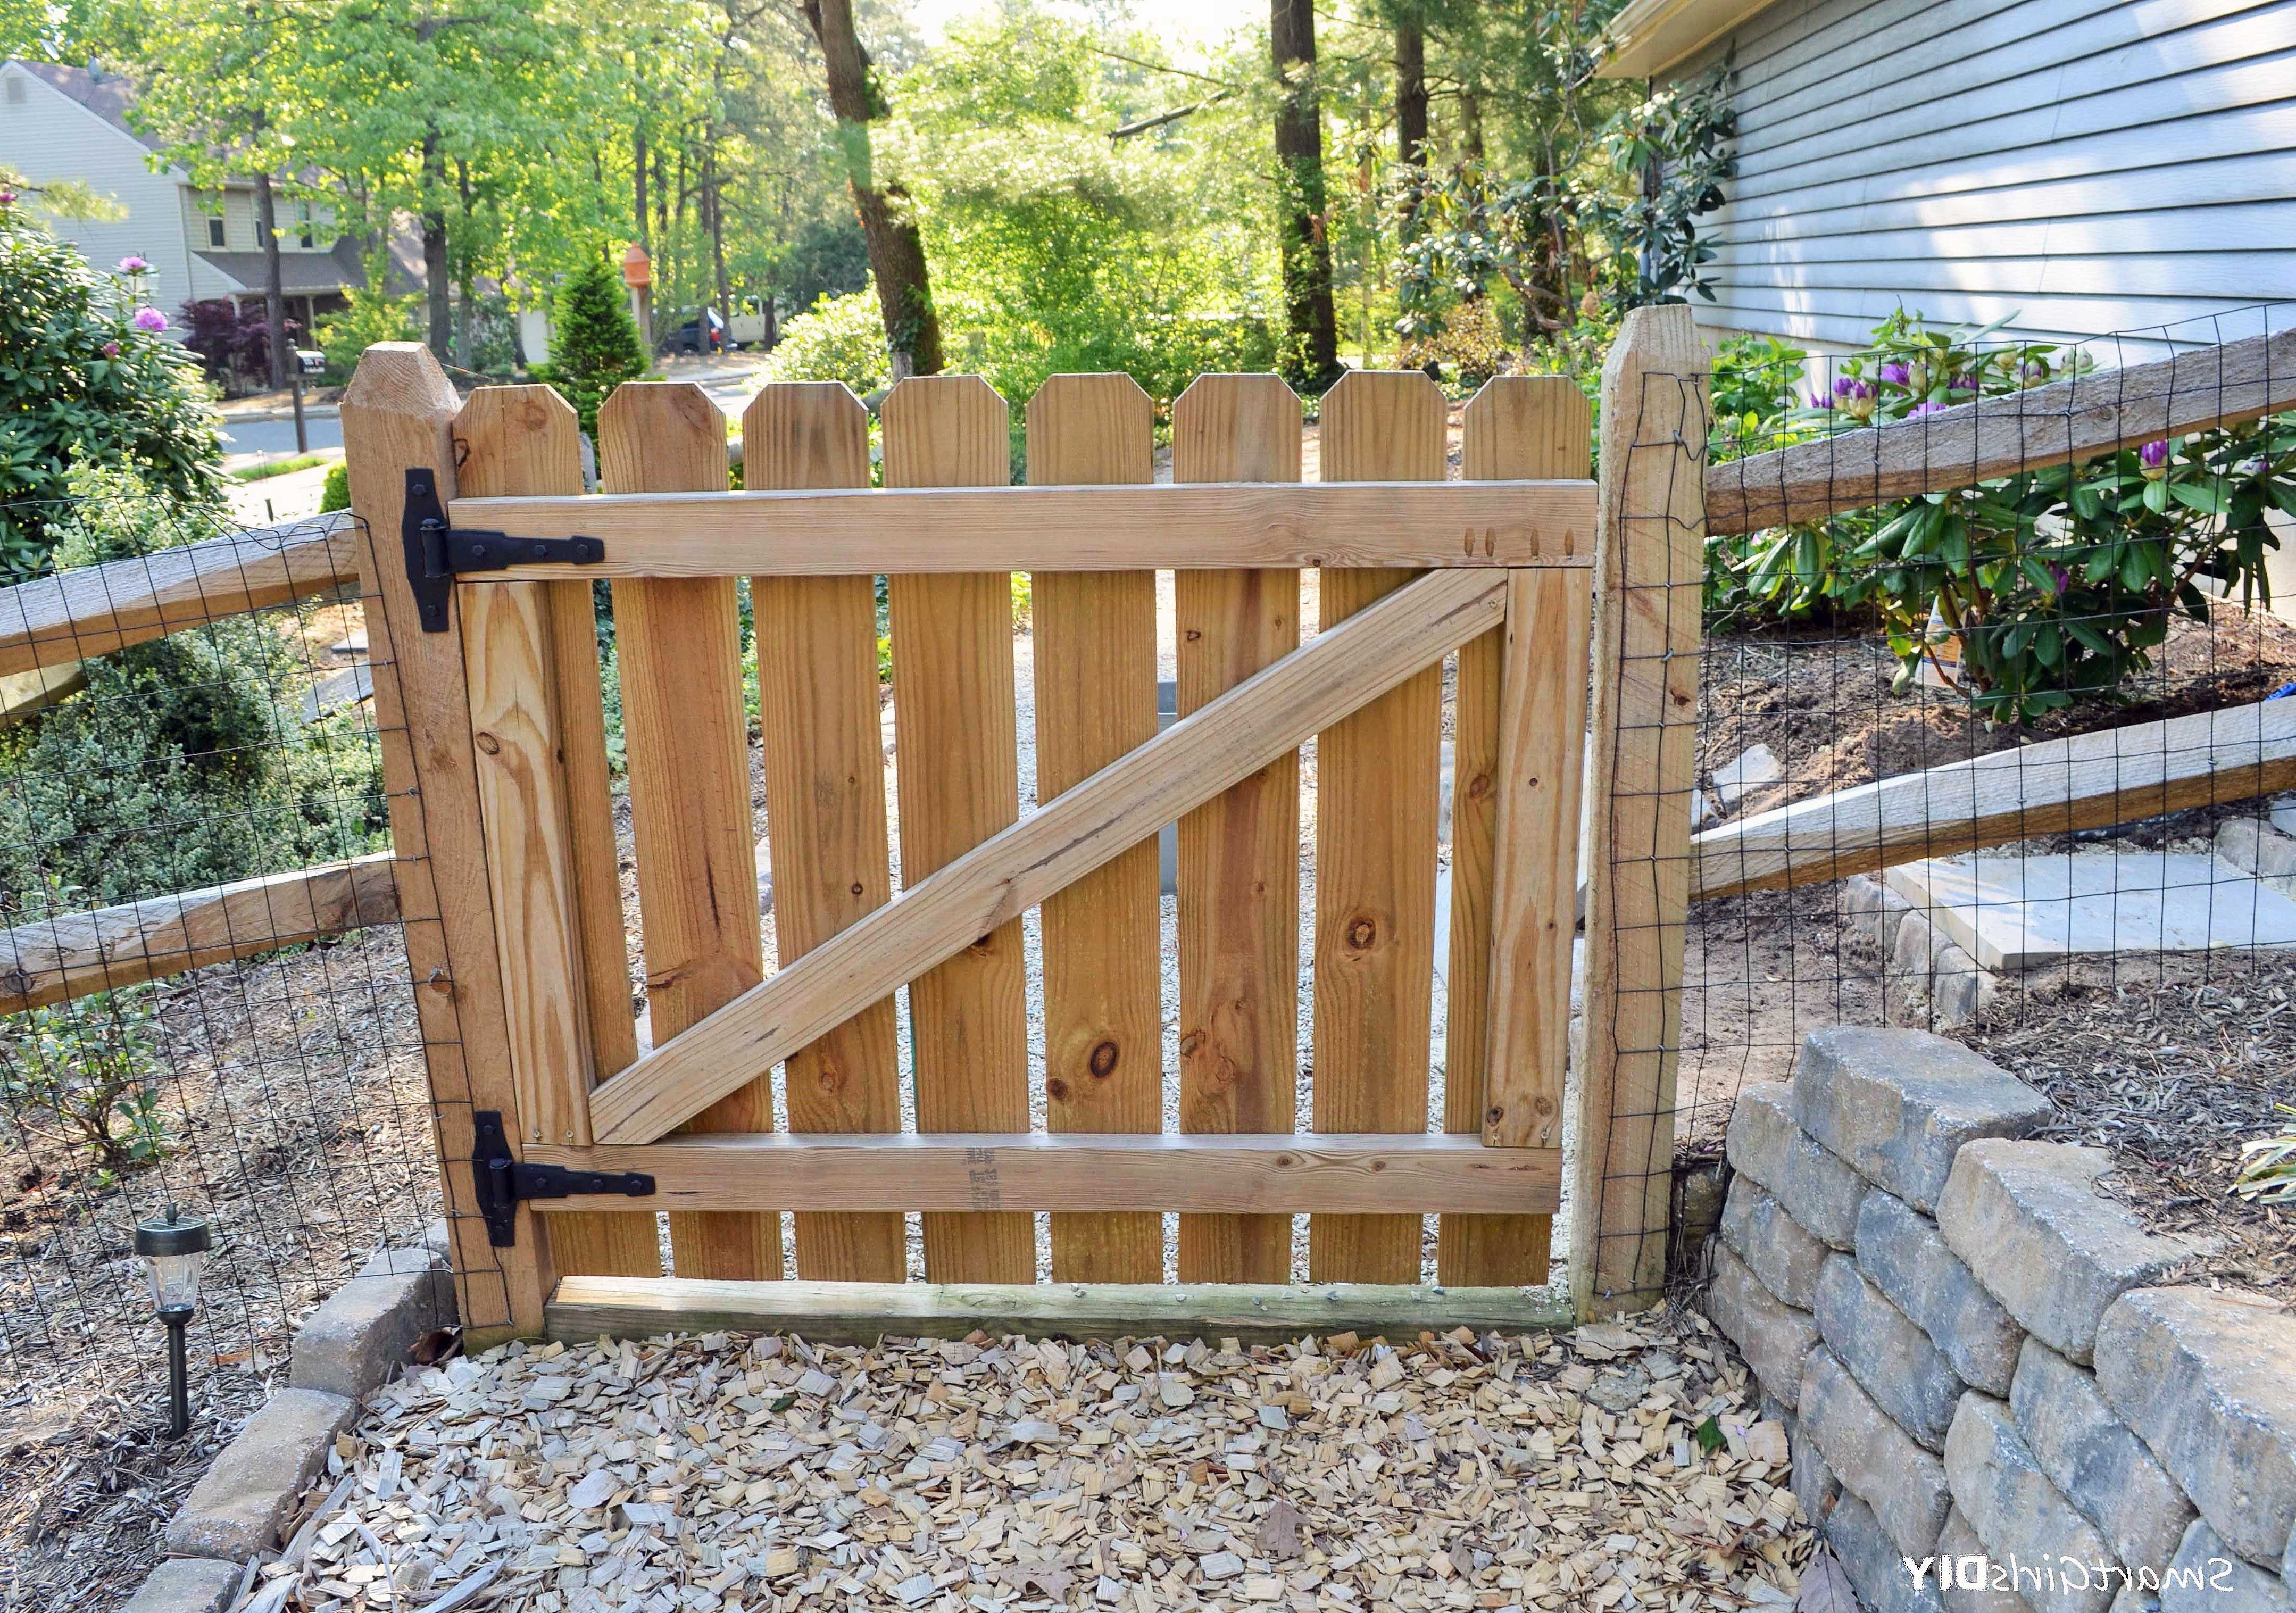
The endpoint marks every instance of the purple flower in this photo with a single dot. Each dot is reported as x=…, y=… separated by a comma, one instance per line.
x=110, y=349
x=1930, y=407
x=1855, y=398
x=2152, y=455
x=1967, y=381
x=133, y=265
x=1894, y=373
x=7, y=198
x=149, y=320
x=1819, y=400
x=2036, y=371
x=2059, y=576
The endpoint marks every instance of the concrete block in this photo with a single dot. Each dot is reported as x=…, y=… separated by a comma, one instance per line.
x=1875, y=1459
x=2090, y=1454
x=1999, y=1487
x=1773, y=1337
x=2026, y=1218
x=1771, y=1242
x=1887, y=1353
x=1903, y=1254
x=2207, y=1577
x=1873, y=910
x=1813, y=1482
x=1959, y=990
x=2207, y=1380
x=1898, y=1104
x=187, y=1585
x=358, y=1340
x=2261, y=850
x=1875, y=1564
x=2016, y=913
x=1961, y=1556
x=1818, y=1190
x=236, y=1510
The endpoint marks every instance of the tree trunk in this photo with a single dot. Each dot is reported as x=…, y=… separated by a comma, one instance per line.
x=1411, y=114
x=436, y=269
x=714, y=199
x=274, y=294
x=464, y=278
x=1471, y=121
x=896, y=251
x=1312, y=324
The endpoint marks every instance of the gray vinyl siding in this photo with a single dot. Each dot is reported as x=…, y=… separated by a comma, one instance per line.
x=2089, y=166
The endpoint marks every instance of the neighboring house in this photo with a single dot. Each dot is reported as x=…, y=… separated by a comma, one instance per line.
x=60, y=122
x=2081, y=167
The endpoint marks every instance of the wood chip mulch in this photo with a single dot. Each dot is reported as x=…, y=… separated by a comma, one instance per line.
x=733, y=1474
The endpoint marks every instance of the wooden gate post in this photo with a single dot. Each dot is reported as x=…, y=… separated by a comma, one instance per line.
x=397, y=416
x=1649, y=575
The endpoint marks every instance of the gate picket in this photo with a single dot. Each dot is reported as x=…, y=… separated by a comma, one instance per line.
x=1516, y=428
x=526, y=439
x=1239, y=931
x=687, y=739
x=1095, y=661
x=818, y=700
x=1375, y=825
x=957, y=762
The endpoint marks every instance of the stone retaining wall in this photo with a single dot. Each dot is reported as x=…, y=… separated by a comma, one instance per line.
x=1980, y=1359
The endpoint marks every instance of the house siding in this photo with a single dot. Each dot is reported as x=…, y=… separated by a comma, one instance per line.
x=48, y=137
x=2079, y=167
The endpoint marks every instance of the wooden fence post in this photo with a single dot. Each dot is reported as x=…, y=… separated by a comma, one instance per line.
x=1648, y=571
x=397, y=416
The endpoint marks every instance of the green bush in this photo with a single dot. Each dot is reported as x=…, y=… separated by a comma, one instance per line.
x=335, y=492
x=370, y=317
x=594, y=341
x=85, y=378
x=183, y=763
x=838, y=339
x=89, y=1068
x=2058, y=582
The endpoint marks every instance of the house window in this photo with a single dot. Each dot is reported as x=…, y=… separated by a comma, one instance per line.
x=214, y=229
x=15, y=90
x=304, y=236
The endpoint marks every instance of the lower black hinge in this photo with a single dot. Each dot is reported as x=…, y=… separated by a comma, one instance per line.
x=501, y=1181
x=438, y=553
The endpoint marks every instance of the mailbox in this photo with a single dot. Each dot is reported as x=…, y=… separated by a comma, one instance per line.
x=310, y=361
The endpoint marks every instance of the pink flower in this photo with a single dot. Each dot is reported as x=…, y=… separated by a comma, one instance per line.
x=7, y=198
x=110, y=350
x=133, y=265
x=149, y=320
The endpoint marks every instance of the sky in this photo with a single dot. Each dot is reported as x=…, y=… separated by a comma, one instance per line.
x=1188, y=25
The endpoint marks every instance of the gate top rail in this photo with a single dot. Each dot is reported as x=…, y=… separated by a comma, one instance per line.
x=1197, y=525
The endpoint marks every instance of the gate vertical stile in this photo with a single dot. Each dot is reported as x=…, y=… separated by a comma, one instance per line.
x=1095, y=640
x=687, y=739
x=1511, y=923
x=1648, y=577
x=530, y=651
x=1375, y=825
x=956, y=757
x=818, y=704
x=1239, y=901
x=397, y=416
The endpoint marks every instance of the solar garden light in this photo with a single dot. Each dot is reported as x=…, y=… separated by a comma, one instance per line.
x=173, y=1248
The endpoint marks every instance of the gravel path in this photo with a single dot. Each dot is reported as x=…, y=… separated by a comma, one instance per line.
x=731, y=1473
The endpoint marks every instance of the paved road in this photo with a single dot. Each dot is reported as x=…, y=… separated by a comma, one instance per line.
x=276, y=438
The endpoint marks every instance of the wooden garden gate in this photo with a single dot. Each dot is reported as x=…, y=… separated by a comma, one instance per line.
x=480, y=555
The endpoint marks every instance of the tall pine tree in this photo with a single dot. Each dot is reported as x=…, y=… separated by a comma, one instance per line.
x=594, y=341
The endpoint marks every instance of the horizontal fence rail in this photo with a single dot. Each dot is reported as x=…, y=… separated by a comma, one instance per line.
x=1079, y=1171
x=2067, y=421
x=75, y=954
x=94, y=609
x=904, y=530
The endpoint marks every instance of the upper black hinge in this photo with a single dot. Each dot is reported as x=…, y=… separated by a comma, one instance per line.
x=501, y=1181
x=437, y=553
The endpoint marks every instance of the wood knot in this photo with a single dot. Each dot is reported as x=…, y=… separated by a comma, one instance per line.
x=1480, y=786
x=1055, y=1087
x=1544, y=1106
x=487, y=743
x=1362, y=933
x=857, y=887
x=1495, y=1113
x=1103, y=1062
x=1190, y=1042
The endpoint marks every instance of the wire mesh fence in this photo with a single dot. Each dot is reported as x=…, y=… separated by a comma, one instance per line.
x=2101, y=642
x=206, y=994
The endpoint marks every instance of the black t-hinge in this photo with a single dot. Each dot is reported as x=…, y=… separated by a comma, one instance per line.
x=437, y=553
x=501, y=1181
